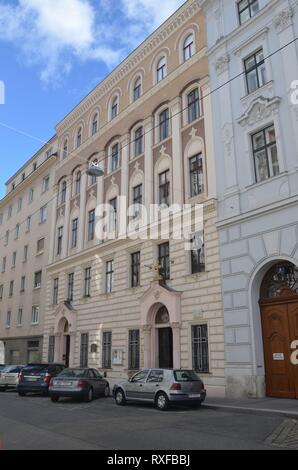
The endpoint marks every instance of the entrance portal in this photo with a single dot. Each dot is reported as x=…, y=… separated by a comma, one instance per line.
x=165, y=339
x=279, y=311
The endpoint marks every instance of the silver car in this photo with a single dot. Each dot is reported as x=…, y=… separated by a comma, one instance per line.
x=9, y=377
x=163, y=387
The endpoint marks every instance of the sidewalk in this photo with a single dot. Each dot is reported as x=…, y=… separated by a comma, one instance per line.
x=273, y=406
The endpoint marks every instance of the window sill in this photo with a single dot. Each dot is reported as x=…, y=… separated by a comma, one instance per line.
x=34, y=324
x=269, y=180
x=162, y=142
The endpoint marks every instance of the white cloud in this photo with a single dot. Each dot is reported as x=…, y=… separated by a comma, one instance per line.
x=52, y=34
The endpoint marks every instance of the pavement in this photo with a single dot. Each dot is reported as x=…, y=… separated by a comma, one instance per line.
x=35, y=422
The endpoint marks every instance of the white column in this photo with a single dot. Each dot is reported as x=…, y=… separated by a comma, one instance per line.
x=82, y=219
x=54, y=225
x=125, y=147
x=100, y=180
x=210, y=170
x=72, y=349
x=147, y=346
x=66, y=218
x=177, y=170
x=149, y=171
x=176, y=345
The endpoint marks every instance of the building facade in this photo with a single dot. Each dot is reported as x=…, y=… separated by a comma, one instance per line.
x=149, y=124
x=253, y=61
x=25, y=214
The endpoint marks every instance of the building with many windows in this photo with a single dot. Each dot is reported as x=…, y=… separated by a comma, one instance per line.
x=253, y=62
x=25, y=221
x=123, y=304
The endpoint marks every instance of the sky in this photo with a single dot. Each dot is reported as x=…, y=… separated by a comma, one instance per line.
x=54, y=52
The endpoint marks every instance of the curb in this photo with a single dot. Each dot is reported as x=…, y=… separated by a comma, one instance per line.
x=244, y=409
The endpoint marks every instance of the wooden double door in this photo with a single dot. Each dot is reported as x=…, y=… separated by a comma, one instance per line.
x=280, y=330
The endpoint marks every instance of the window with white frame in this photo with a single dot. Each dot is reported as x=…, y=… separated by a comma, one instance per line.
x=265, y=154
x=137, y=89
x=196, y=175
x=25, y=256
x=164, y=124
x=193, y=105
x=17, y=231
x=20, y=317
x=115, y=157
x=59, y=240
x=28, y=223
x=55, y=291
x=78, y=178
x=109, y=276
x=37, y=279
x=197, y=253
x=247, y=9
x=74, y=232
x=40, y=246
x=164, y=188
x=200, y=348
x=45, y=184
x=91, y=225
x=35, y=315
x=161, y=70
x=113, y=216
x=138, y=142
x=31, y=195
x=14, y=259
x=63, y=188
x=8, y=319
x=43, y=214
x=188, y=47
x=255, y=71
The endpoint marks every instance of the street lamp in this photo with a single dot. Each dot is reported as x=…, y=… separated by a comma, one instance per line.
x=95, y=169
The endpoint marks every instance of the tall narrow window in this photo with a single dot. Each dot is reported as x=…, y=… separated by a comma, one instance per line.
x=8, y=319
x=11, y=285
x=79, y=137
x=139, y=141
x=37, y=279
x=196, y=175
x=78, y=182
x=107, y=350
x=193, y=105
x=70, y=288
x=55, y=291
x=84, y=350
x=265, y=154
x=135, y=269
x=95, y=124
x=115, y=157
x=164, y=188
x=200, y=350
x=114, y=108
x=134, y=350
x=43, y=214
x=137, y=90
x=137, y=200
x=247, y=9
x=161, y=70
x=164, y=125
x=63, y=192
x=65, y=150
x=87, y=282
x=91, y=225
x=20, y=317
x=51, y=353
x=74, y=233
x=93, y=178
x=164, y=260
x=198, y=253
x=35, y=315
x=113, y=222
x=255, y=71
x=109, y=276
x=59, y=240
x=188, y=47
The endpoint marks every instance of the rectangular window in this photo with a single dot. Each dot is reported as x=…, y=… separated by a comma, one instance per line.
x=198, y=253
x=139, y=145
x=134, y=350
x=31, y=195
x=196, y=175
x=91, y=225
x=23, y=283
x=20, y=203
x=1, y=291
x=115, y=157
x=87, y=283
x=59, y=241
x=17, y=232
x=25, y=257
x=193, y=105
x=6, y=238
x=247, y=9
x=255, y=71
x=40, y=246
x=20, y=317
x=164, y=188
x=200, y=349
x=45, y=184
x=109, y=276
x=8, y=319
x=35, y=315
x=33, y=352
x=135, y=269
x=37, y=280
x=84, y=350
x=55, y=291
x=107, y=350
x=164, y=127
x=28, y=224
x=14, y=259
x=4, y=264
x=74, y=233
x=164, y=260
x=137, y=200
x=51, y=353
x=265, y=154
x=43, y=214
x=70, y=288
x=113, y=215
x=11, y=284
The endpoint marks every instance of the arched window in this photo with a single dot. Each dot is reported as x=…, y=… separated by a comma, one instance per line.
x=65, y=149
x=94, y=127
x=281, y=277
x=193, y=105
x=188, y=47
x=79, y=137
x=114, y=108
x=139, y=141
x=137, y=89
x=78, y=183
x=63, y=192
x=161, y=69
x=164, y=124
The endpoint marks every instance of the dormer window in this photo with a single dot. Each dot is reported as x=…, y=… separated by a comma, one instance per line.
x=247, y=9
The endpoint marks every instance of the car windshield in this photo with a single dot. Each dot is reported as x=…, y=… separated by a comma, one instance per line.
x=12, y=369
x=186, y=376
x=76, y=373
x=35, y=369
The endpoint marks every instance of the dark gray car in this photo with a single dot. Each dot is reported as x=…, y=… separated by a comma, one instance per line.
x=163, y=387
x=79, y=383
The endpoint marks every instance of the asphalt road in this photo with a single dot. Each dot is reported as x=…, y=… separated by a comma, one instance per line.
x=37, y=423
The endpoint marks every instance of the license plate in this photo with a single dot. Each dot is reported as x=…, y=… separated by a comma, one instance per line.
x=31, y=379
x=64, y=384
x=195, y=395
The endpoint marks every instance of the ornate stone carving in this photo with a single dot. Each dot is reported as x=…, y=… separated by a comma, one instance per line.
x=259, y=110
x=284, y=19
x=222, y=64
x=193, y=133
x=227, y=137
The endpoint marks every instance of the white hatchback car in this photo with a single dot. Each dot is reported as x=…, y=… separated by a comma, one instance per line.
x=9, y=377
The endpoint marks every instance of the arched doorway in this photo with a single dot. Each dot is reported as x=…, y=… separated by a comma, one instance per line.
x=279, y=314
x=164, y=343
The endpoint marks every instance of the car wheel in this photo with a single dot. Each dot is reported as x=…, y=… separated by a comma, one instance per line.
x=107, y=392
x=89, y=396
x=120, y=397
x=162, y=402
x=55, y=399
x=22, y=394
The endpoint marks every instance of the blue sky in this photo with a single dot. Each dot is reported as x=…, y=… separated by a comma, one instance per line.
x=52, y=53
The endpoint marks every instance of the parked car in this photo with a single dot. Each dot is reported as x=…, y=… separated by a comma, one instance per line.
x=79, y=383
x=2, y=367
x=9, y=377
x=35, y=378
x=163, y=387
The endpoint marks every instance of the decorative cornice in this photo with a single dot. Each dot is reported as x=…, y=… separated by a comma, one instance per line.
x=284, y=19
x=131, y=63
x=261, y=108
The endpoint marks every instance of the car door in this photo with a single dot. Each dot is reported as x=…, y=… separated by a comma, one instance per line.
x=100, y=382
x=135, y=387
x=153, y=383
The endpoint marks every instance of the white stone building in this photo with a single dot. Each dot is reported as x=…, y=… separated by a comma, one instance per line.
x=253, y=61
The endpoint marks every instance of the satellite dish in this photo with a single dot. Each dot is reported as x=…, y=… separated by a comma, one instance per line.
x=95, y=169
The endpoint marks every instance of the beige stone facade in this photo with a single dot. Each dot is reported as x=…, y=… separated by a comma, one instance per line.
x=25, y=216
x=106, y=329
